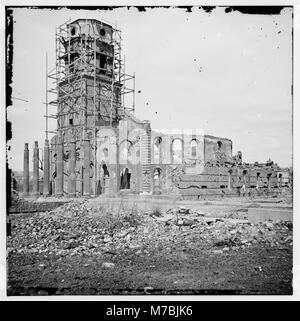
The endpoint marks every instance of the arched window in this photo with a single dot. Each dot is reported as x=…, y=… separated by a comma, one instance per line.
x=106, y=172
x=258, y=180
x=126, y=150
x=157, y=150
x=156, y=173
x=177, y=151
x=219, y=143
x=194, y=146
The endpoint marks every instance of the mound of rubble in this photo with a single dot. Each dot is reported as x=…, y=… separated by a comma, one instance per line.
x=79, y=229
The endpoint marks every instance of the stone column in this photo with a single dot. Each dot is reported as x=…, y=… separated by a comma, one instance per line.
x=72, y=169
x=46, y=168
x=146, y=159
x=156, y=182
x=59, y=180
x=86, y=166
x=269, y=180
x=35, y=183
x=26, y=171
x=118, y=177
x=257, y=181
x=229, y=180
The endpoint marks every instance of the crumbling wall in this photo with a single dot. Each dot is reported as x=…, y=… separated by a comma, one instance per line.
x=230, y=179
x=217, y=149
x=188, y=153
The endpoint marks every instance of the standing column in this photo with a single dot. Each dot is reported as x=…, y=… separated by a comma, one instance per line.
x=72, y=169
x=35, y=183
x=86, y=166
x=59, y=180
x=146, y=159
x=229, y=180
x=118, y=177
x=26, y=171
x=156, y=182
x=46, y=168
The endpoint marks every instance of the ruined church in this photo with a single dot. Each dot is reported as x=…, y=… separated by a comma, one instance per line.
x=100, y=148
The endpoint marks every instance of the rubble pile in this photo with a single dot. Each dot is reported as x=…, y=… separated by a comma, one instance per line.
x=79, y=229
x=227, y=232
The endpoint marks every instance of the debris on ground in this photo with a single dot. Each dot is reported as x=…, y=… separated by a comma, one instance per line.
x=87, y=246
x=76, y=228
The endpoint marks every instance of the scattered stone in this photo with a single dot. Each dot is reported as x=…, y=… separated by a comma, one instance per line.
x=199, y=213
x=107, y=239
x=183, y=210
x=147, y=289
x=71, y=245
x=217, y=251
x=269, y=225
x=188, y=222
x=108, y=265
x=94, y=232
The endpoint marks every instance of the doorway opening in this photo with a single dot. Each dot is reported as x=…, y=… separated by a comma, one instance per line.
x=125, y=179
x=103, y=175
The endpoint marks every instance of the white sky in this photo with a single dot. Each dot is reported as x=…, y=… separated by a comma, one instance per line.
x=228, y=74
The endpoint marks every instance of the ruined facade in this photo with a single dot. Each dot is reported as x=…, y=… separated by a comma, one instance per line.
x=100, y=147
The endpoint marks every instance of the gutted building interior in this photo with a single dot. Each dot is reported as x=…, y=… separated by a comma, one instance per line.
x=100, y=147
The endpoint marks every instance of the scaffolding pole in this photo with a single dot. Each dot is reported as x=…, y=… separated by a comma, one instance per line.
x=47, y=116
x=95, y=128
x=74, y=86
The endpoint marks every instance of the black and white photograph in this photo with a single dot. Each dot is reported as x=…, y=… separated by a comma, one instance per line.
x=149, y=151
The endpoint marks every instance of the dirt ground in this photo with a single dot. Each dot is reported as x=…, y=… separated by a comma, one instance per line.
x=74, y=251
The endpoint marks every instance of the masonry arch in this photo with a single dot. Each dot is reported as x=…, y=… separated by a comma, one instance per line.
x=157, y=173
x=258, y=180
x=125, y=177
x=194, y=147
x=135, y=150
x=106, y=145
x=126, y=150
x=103, y=175
x=219, y=145
x=157, y=146
x=269, y=180
x=177, y=151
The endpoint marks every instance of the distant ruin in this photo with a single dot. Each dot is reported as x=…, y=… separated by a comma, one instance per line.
x=100, y=147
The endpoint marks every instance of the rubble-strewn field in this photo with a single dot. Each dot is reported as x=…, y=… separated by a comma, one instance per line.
x=82, y=248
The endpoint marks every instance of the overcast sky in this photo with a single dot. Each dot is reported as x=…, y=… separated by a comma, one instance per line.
x=229, y=74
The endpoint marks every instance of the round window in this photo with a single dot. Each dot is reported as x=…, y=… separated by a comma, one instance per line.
x=102, y=32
